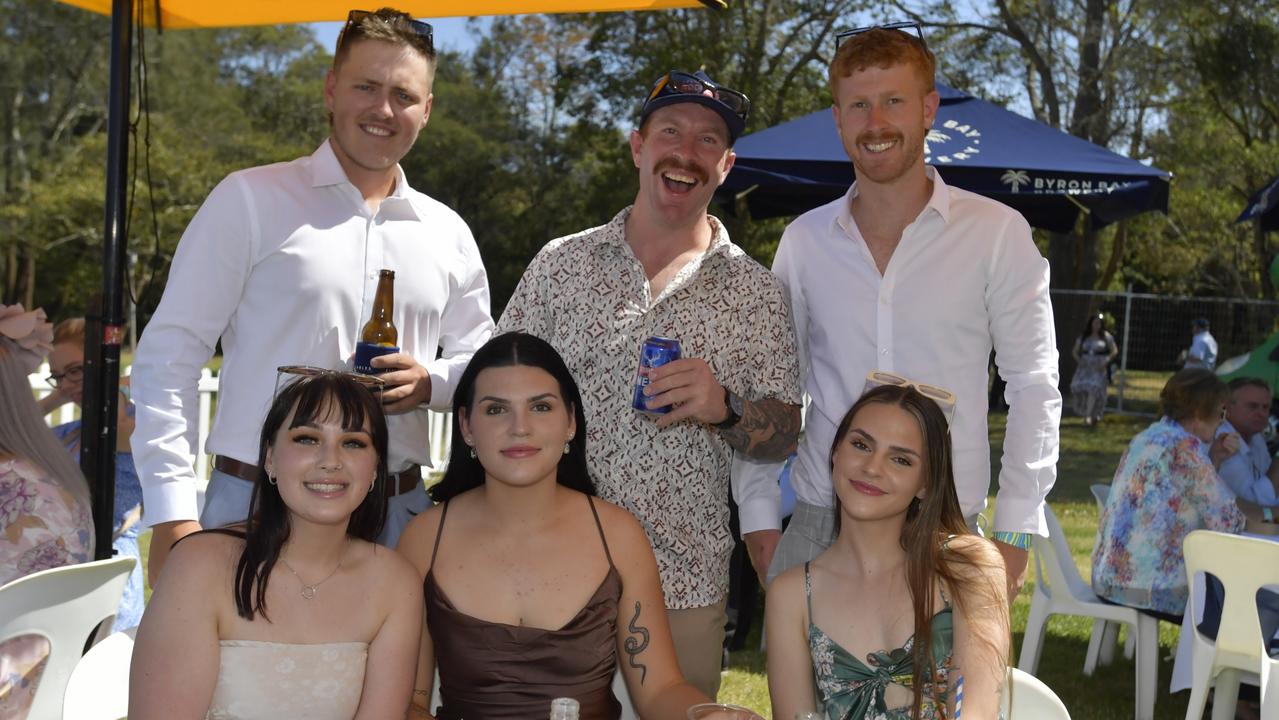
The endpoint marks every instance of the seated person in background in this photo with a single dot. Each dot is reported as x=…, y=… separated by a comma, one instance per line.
x=45, y=516
x=907, y=603
x=297, y=613
x=1249, y=473
x=66, y=368
x=513, y=554
x=1166, y=486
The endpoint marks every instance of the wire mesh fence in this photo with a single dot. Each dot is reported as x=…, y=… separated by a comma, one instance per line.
x=1152, y=331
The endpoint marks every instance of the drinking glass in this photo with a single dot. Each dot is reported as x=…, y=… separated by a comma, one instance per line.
x=715, y=711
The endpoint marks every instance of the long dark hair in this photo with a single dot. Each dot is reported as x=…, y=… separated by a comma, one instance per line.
x=511, y=350
x=1087, y=333
x=930, y=522
x=310, y=398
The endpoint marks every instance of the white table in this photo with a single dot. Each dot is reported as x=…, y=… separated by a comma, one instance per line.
x=1182, y=671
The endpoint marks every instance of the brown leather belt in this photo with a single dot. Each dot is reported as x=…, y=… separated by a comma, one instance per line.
x=400, y=482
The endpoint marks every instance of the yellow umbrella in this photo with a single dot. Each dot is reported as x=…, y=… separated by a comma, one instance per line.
x=227, y=13
x=102, y=359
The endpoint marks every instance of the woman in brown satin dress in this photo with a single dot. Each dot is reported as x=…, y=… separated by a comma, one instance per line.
x=534, y=588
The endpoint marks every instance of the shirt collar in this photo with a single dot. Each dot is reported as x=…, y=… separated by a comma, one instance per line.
x=327, y=171
x=938, y=202
x=614, y=233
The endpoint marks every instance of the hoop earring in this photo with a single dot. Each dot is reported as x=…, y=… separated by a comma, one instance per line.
x=270, y=478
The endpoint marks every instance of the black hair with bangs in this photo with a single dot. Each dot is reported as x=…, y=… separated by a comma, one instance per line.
x=310, y=399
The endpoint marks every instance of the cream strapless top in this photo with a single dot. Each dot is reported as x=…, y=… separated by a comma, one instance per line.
x=268, y=681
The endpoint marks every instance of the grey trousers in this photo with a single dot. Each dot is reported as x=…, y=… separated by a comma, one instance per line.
x=811, y=531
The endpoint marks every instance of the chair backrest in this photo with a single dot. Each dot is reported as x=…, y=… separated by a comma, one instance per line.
x=1026, y=697
x=1244, y=565
x=1055, y=569
x=64, y=605
x=99, y=685
x=1101, y=492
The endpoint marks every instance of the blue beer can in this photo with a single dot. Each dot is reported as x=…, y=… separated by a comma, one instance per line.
x=655, y=352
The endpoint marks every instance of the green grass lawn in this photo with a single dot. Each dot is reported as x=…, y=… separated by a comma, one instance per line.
x=1088, y=455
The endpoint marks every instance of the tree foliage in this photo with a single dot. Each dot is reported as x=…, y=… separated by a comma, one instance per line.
x=528, y=134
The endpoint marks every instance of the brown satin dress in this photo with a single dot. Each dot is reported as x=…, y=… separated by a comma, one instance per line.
x=495, y=671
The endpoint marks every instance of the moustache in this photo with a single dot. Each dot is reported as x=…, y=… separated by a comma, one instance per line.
x=868, y=138
x=685, y=168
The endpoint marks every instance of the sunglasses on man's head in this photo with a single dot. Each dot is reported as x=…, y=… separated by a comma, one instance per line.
x=678, y=83
x=902, y=27
x=421, y=29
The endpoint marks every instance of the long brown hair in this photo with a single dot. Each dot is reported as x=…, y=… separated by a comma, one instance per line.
x=930, y=523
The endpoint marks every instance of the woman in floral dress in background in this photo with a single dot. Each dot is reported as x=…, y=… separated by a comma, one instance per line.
x=45, y=519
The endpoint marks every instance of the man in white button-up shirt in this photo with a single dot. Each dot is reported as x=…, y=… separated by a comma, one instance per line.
x=907, y=275
x=1248, y=470
x=281, y=265
x=1203, y=346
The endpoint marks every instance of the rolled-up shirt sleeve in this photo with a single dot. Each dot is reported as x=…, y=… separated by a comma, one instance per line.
x=1021, y=325
x=204, y=286
x=757, y=493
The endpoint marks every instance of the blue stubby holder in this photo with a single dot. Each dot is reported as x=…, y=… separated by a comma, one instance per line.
x=364, y=354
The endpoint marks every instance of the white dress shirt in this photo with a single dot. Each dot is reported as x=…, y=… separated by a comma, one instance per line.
x=965, y=277
x=1203, y=351
x=1245, y=471
x=281, y=263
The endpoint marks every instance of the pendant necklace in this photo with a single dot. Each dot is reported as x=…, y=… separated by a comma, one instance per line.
x=308, y=591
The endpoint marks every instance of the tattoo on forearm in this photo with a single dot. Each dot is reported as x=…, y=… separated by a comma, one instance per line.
x=768, y=430
x=635, y=647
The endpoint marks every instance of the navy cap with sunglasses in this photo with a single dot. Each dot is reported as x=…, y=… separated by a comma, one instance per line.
x=681, y=87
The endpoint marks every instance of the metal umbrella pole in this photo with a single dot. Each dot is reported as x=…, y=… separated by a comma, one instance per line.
x=106, y=321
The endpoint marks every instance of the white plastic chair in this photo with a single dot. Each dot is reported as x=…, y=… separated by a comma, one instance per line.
x=64, y=605
x=1026, y=697
x=1243, y=565
x=1101, y=645
x=1269, y=687
x=99, y=685
x=1059, y=590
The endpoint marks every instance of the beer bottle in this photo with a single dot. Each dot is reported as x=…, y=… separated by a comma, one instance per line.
x=379, y=336
x=565, y=709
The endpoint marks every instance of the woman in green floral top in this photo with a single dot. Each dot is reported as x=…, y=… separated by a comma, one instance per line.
x=885, y=622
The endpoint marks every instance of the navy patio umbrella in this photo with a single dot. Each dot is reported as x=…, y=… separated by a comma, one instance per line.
x=1047, y=175
x=1264, y=206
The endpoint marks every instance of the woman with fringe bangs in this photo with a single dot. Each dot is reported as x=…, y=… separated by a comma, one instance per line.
x=296, y=613
x=907, y=609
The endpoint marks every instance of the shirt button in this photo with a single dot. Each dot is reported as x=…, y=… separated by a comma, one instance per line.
x=883, y=351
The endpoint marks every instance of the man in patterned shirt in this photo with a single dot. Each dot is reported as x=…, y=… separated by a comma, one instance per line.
x=665, y=267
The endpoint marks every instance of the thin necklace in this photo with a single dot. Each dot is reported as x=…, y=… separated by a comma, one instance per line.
x=308, y=591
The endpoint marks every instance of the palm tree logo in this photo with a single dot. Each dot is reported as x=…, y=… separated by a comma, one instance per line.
x=934, y=136
x=1015, y=178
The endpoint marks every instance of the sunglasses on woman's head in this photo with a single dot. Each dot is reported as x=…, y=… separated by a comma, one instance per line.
x=944, y=398
x=288, y=374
